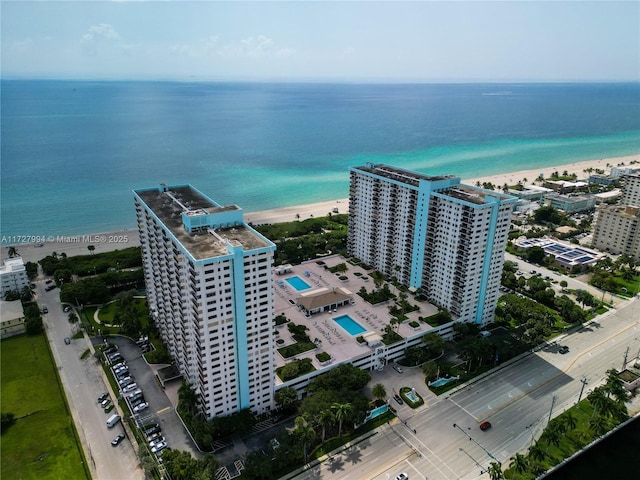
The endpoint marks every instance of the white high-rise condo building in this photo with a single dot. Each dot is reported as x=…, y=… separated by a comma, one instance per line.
x=434, y=234
x=208, y=279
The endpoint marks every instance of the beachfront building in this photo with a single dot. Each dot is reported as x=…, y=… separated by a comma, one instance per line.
x=617, y=230
x=434, y=234
x=571, y=204
x=210, y=293
x=13, y=276
x=631, y=190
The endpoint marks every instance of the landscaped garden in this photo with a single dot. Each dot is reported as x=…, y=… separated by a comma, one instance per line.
x=41, y=442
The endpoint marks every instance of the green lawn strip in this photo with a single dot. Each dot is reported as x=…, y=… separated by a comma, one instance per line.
x=570, y=442
x=107, y=312
x=43, y=443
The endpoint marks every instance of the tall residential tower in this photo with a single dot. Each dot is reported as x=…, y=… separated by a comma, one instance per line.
x=208, y=279
x=432, y=233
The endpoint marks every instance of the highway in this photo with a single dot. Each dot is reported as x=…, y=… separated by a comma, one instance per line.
x=83, y=381
x=517, y=399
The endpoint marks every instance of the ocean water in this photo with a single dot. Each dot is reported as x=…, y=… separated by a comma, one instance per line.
x=72, y=151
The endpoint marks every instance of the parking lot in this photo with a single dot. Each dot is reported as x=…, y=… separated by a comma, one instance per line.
x=160, y=408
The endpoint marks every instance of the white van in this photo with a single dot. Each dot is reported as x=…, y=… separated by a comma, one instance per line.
x=113, y=420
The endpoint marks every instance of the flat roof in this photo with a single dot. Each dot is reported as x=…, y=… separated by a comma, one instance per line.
x=169, y=206
x=405, y=176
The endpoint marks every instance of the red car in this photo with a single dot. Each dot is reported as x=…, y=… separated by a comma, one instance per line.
x=485, y=426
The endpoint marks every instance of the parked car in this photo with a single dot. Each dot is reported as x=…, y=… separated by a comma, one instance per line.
x=103, y=396
x=129, y=387
x=141, y=406
x=151, y=429
x=67, y=340
x=402, y=476
x=124, y=380
x=159, y=447
x=485, y=426
x=397, y=368
x=116, y=441
x=564, y=349
x=156, y=441
x=398, y=399
x=66, y=308
x=108, y=408
x=45, y=309
x=106, y=403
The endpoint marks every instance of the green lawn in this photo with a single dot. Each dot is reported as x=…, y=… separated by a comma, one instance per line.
x=42, y=444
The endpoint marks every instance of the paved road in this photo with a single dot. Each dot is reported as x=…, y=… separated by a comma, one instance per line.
x=83, y=381
x=517, y=399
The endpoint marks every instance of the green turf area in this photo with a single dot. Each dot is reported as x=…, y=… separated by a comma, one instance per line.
x=42, y=444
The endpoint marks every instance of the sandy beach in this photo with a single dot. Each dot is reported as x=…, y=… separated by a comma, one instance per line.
x=78, y=244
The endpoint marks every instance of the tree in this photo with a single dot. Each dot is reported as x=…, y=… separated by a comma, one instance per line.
x=600, y=402
x=614, y=386
x=12, y=252
x=537, y=453
x=91, y=249
x=519, y=464
x=286, y=398
x=569, y=420
x=495, y=471
x=305, y=432
x=379, y=392
x=326, y=419
x=552, y=435
x=598, y=425
x=430, y=370
x=342, y=412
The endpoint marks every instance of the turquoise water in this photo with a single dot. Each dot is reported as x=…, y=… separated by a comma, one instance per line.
x=443, y=381
x=298, y=283
x=72, y=151
x=352, y=327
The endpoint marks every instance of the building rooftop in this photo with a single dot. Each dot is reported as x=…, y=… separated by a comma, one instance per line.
x=405, y=176
x=219, y=227
x=11, y=310
x=322, y=287
x=475, y=195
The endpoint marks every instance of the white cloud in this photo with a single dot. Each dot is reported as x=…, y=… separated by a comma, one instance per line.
x=259, y=46
x=103, y=30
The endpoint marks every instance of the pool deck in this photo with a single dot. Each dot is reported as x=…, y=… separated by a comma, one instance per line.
x=326, y=333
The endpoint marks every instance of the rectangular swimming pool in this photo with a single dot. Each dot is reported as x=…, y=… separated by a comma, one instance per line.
x=352, y=327
x=297, y=283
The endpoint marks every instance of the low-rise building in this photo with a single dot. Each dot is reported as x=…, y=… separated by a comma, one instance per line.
x=11, y=319
x=13, y=276
x=571, y=204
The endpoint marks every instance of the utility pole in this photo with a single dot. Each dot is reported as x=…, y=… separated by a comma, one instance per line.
x=584, y=382
x=624, y=362
x=553, y=401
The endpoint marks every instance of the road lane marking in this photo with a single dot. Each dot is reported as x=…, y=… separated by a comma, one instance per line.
x=163, y=410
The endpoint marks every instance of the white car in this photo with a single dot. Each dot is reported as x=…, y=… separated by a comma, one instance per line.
x=402, y=476
x=130, y=388
x=140, y=407
x=158, y=447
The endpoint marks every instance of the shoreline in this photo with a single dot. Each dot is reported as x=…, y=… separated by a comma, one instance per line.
x=108, y=241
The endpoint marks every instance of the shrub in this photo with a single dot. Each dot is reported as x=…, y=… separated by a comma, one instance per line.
x=323, y=357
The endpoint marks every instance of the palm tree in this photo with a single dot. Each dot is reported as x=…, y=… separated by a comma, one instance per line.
x=599, y=401
x=12, y=252
x=537, y=454
x=598, y=425
x=379, y=392
x=343, y=410
x=569, y=421
x=326, y=418
x=305, y=432
x=91, y=248
x=615, y=387
x=495, y=471
x=551, y=435
x=519, y=464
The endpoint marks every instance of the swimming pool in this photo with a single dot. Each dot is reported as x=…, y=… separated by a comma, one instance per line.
x=298, y=283
x=352, y=327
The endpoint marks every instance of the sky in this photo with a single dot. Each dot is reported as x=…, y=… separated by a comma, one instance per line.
x=394, y=41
